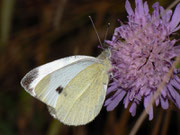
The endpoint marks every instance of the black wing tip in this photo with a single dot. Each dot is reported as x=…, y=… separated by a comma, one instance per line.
x=28, y=79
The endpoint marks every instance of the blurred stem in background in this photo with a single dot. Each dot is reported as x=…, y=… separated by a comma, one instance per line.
x=7, y=7
x=54, y=128
x=59, y=14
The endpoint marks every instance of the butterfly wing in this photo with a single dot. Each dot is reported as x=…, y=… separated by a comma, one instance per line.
x=82, y=99
x=47, y=81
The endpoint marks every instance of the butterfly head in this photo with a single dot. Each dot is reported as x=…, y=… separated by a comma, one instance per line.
x=105, y=58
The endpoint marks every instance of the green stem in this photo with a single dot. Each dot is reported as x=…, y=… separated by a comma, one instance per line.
x=6, y=16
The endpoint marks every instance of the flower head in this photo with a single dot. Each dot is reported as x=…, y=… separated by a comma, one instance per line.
x=141, y=55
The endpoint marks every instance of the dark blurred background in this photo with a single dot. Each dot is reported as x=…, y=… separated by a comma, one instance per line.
x=34, y=32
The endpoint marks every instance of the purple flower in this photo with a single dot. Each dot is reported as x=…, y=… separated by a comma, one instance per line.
x=142, y=53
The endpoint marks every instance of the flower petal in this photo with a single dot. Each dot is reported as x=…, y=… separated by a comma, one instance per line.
x=112, y=88
x=132, y=109
x=176, y=29
x=126, y=100
x=151, y=113
x=128, y=8
x=171, y=90
x=165, y=15
x=157, y=101
x=139, y=8
x=109, y=100
x=175, y=18
x=175, y=84
x=115, y=101
x=177, y=78
x=146, y=8
x=147, y=101
x=163, y=92
x=175, y=95
x=156, y=10
x=164, y=103
x=177, y=49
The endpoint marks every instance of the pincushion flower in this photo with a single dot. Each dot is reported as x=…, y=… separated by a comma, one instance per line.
x=142, y=53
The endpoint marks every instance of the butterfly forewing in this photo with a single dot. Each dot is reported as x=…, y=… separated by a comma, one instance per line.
x=47, y=81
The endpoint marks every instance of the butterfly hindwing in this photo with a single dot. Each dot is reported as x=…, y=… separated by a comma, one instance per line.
x=82, y=99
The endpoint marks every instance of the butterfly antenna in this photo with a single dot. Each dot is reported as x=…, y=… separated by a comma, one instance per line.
x=107, y=30
x=96, y=31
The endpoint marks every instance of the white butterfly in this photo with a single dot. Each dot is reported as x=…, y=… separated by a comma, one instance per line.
x=74, y=88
